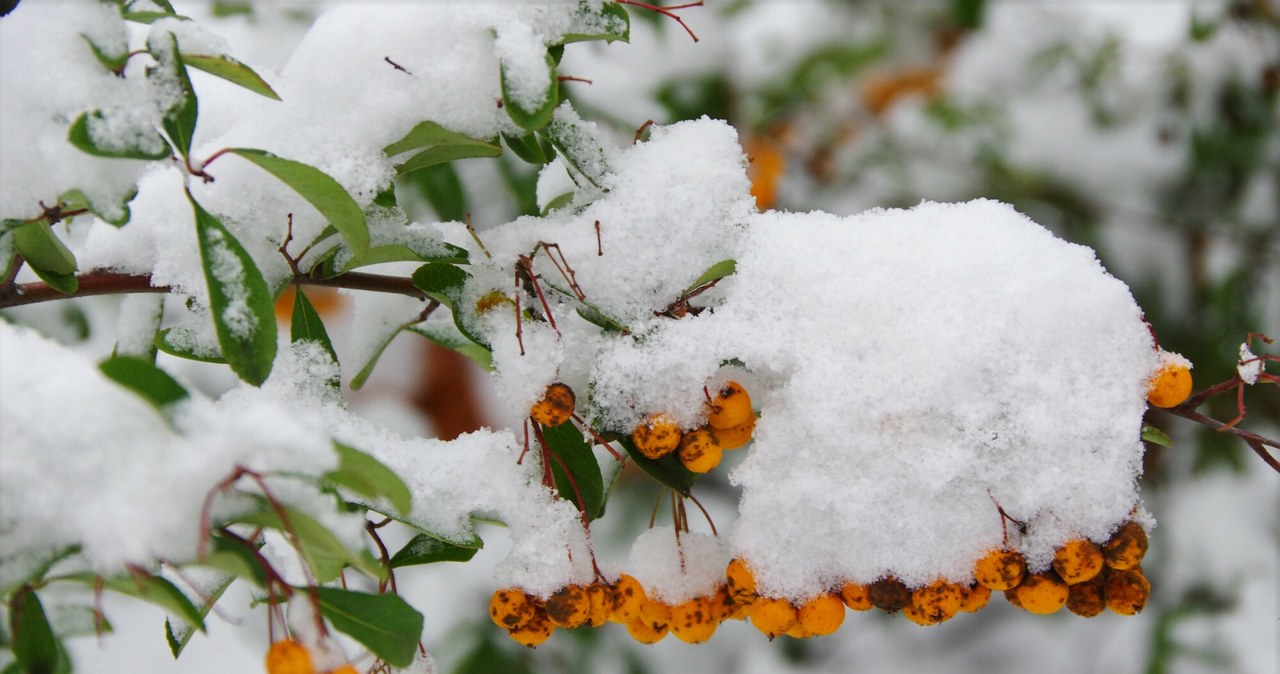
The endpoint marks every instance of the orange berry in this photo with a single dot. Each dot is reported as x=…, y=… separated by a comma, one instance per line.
x=889, y=594
x=1000, y=569
x=646, y=632
x=1170, y=386
x=628, y=595
x=700, y=451
x=511, y=608
x=569, y=606
x=655, y=612
x=1126, y=591
x=767, y=164
x=289, y=657
x=741, y=581
x=1126, y=547
x=346, y=669
x=1042, y=593
x=656, y=436
x=939, y=600
x=723, y=607
x=730, y=406
x=974, y=597
x=1086, y=599
x=601, y=599
x=920, y=616
x=821, y=615
x=492, y=300
x=534, y=632
x=734, y=436
x=693, y=621
x=1077, y=561
x=555, y=407
x=773, y=616
x=856, y=597
x=798, y=631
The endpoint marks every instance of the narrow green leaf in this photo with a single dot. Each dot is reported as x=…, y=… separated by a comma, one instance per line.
x=306, y=323
x=385, y=623
x=178, y=632
x=441, y=154
x=232, y=71
x=145, y=379
x=668, y=470
x=424, y=549
x=242, y=306
x=558, y=203
x=439, y=281
x=596, y=317
x=113, y=62
x=42, y=249
x=429, y=134
x=114, y=212
x=1156, y=436
x=527, y=148
x=323, y=552
x=566, y=442
x=578, y=145
x=532, y=120
x=35, y=648
x=393, y=252
x=236, y=558
x=179, y=121
x=363, y=375
x=320, y=189
x=448, y=335
x=179, y=343
x=614, y=24
x=368, y=476
x=715, y=272
x=149, y=588
x=442, y=188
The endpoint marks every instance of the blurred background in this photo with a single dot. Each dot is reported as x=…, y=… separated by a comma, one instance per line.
x=1148, y=131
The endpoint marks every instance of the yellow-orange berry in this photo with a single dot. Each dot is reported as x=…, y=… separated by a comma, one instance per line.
x=723, y=607
x=492, y=300
x=939, y=600
x=1126, y=547
x=821, y=615
x=773, y=616
x=647, y=632
x=741, y=581
x=730, y=406
x=1042, y=593
x=511, y=608
x=919, y=616
x=555, y=407
x=1170, y=386
x=734, y=436
x=798, y=631
x=533, y=632
x=1126, y=591
x=601, y=600
x=1000, y=569
x=700, y=451
x=889, y=594
x=1086, y=599
x=655, y=612
x=974, y=597
x=289, y=657
x=346, y=669
x=569, y=606
x=628, y=595
x=693, y=621
x=656, y=436
x=1077, y=561
x=857, y=597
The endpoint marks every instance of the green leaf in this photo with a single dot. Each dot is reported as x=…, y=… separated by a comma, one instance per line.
x=441, y=154
x=425, y=549
x=179, y=632
x=558, y=203
x=35, y=647
x=149, y=588
x=668, y=470
x=113, y=212
x=306, y=323
x=532, y=120
x=242, y=306
x=578, y=145
x=34, y=564
x=440, y=281
x=177, y=342
x=232, y=71
x=566, y=442
x=369, y=477
x=236, y=558
x=1156, y=436
x=113, y=62
x=42, y=250
x=320, y=189
x=715, y=272
x=324, y=553
x=447, y=334
x=442, y=188
x=145, y=379
x=431, y=134
x=615, y=25
x=394, y=252
x=363, y=375
x=526, y=147
x=179, y=121
x=596, y=317
x=385, y=623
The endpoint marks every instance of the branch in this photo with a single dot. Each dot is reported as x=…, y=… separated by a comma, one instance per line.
x=1256, y=442
x=114, y=283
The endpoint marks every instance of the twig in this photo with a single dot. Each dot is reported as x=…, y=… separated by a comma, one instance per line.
x=667, y=12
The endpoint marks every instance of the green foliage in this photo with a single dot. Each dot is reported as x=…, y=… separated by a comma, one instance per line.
x=384, y=623
x=368, y=477
x=36, y=649
x=532, y=120
x=232, y=71
x=427, y=549
x=47, y=256
x=145, y=379
x=574, y=468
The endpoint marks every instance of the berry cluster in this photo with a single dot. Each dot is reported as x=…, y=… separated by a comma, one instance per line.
x=730, y=423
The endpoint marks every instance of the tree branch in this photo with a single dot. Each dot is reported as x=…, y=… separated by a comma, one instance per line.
x=114, y=283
